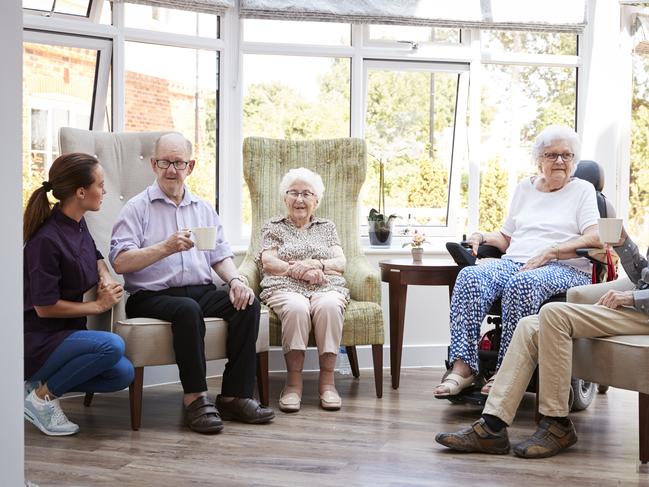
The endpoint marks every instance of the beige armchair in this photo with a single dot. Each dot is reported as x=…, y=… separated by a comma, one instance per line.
x=617, y=361
x=125, y=159
x=342, y=164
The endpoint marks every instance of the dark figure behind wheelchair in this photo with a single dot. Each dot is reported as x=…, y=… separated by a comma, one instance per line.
x=531, y=260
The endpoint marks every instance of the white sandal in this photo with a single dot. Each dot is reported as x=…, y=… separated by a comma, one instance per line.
x=455, y=384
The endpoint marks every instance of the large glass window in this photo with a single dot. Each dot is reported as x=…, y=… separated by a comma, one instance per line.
x=517, y=103
x=178, y=94
x=530, y=42
x=414, y=34
x=73, y=7
x=294, y=97
x=410, y=128
x=58, y=91
x=171, y=20
x=296, y=32
x=639, y=174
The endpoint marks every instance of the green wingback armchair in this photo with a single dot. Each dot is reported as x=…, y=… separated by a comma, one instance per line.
x=342, y=165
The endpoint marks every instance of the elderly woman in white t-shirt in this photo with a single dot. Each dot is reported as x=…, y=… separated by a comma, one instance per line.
x=551, y=215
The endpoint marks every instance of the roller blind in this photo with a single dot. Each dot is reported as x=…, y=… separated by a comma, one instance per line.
x=540, y=15
x=207, y=6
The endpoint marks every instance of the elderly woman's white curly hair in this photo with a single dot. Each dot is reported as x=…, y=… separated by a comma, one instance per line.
x=303, y=175
x=556, y=133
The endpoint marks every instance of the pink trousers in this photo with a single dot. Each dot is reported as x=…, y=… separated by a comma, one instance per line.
x=323, y=311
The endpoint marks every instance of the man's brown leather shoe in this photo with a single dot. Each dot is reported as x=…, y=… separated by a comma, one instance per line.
x=550, y=438
x=244, y=409
x=201, y=416
x=477, y=438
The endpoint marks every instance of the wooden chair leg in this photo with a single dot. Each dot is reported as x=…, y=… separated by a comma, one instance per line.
x=135, y=398
x=262, y=378
x=88, y=399
x=353, y=360
x=377, y=358
x=643, y=423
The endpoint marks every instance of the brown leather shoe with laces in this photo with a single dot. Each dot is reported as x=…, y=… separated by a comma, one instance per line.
x=244, y=409
x=550, y=438
x=477, y=438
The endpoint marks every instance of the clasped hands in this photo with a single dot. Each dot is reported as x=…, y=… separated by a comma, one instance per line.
x=109, y=293
x=309, y=270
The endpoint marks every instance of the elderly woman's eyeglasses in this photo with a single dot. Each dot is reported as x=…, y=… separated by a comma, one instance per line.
x=164, y=164
x=296, y=194
x=554, y=156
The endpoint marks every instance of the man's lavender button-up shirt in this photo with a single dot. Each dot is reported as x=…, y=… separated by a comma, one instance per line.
x=151, y=217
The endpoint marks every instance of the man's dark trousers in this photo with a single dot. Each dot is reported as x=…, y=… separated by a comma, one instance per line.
x=185, y=307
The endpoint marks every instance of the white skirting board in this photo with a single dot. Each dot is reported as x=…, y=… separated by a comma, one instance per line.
x=412, y=356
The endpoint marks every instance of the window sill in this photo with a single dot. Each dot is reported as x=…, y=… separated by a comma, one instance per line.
x=436, y=248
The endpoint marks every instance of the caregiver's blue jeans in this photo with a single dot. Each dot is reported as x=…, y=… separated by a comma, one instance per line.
x=87, y=361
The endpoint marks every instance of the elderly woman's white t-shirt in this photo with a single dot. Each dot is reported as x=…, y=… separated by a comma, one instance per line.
x=537, y=220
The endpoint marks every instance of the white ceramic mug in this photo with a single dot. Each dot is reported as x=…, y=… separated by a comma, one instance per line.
x=610, y=229
x=204, y=237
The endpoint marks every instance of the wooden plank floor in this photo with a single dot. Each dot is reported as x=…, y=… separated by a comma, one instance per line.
x=370, y=441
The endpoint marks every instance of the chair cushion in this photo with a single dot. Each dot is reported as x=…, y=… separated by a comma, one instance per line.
x=617, y=361
x=360, y=326
x=149, y=341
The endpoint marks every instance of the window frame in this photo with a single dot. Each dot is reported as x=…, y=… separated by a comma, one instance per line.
x=459, y=134
x=231, y=48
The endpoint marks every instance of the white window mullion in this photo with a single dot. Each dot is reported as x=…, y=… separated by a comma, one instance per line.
x=357, y=118
x=474, y=133
x=230, y=130
x=119, y=78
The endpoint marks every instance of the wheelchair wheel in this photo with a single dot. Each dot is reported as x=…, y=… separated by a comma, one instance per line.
x=602, y=389
x=581, y=393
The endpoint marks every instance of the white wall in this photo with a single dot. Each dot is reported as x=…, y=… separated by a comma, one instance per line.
x=11, y=336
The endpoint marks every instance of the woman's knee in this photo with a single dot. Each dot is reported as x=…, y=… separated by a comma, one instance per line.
x=125, y=372
x=329, y=304
x=296, y=309
x=111, y=345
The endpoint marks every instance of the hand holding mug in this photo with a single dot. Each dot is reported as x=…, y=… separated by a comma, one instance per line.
x=179, y=241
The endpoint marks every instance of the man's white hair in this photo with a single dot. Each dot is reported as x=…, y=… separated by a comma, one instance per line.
x=556, y=133
x=173, y=137
x=303, y=175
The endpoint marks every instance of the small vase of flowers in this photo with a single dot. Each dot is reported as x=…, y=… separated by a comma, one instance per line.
x=416, y=246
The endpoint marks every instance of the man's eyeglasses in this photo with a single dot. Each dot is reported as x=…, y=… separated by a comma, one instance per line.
x=164, y=164
x=554, y=156
x=306, y=194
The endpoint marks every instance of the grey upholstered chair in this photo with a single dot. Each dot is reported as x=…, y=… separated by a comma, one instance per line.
x=617, y=361
x=125, y=159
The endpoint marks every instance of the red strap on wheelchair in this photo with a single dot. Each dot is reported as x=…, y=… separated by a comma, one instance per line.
x=611, y=274
x=611, y=271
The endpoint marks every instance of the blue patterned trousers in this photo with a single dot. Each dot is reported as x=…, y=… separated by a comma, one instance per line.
x=522, y=293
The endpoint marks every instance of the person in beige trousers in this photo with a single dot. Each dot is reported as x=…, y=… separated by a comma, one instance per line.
x=546, y=339
x=302, y=265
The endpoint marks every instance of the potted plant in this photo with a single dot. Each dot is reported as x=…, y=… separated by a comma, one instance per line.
x=379, y=225
x=416, y=246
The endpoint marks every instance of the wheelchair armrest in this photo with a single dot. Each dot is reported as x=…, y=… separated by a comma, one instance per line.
x=463, y=256
x=585, y=253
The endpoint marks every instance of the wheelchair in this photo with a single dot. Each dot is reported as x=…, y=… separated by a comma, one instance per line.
x=581, y=392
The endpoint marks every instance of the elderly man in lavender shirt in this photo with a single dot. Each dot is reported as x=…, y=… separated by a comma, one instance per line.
x=168, y=278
